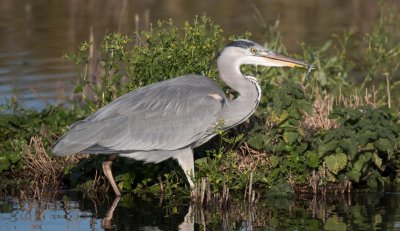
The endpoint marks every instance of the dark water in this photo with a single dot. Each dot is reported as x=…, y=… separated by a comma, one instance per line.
x=35, y=34
x=71, y=211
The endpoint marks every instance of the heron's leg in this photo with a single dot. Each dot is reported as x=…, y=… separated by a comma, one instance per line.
x=107, y=171
x=106, y=223
x=185, y=160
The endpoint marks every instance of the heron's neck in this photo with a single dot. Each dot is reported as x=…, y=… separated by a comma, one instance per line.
x=241, y=108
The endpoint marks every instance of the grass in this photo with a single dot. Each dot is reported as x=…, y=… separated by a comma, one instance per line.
x=312, y=138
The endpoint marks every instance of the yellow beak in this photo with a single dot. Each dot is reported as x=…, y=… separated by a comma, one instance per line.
x=283, y=60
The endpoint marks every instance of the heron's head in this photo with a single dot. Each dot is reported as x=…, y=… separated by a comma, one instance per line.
x=247, y=52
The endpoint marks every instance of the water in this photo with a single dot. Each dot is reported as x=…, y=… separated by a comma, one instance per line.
x=71, y=211
x=35, y=34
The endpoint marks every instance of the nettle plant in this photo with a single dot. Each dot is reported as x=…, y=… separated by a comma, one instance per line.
x=363, y=148
x=282, y=135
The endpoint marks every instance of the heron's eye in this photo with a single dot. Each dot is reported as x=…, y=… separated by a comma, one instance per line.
x=253, y=50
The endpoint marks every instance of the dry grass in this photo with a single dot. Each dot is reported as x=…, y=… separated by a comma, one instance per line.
x=250, y=158
x=354, y=101
x=319, y=119
x=41, y=169
x=324, y=104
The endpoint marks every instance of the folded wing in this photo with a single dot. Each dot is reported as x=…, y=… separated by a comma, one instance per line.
x=169, y=115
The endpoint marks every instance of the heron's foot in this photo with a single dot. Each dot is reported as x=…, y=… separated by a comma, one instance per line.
x=107, y=171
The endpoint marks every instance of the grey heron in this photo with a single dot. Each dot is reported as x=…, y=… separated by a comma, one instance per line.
x=169, y=118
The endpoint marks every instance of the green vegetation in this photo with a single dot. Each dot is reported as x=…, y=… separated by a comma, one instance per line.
x=306, y=136
x=161, y=53
x=363, y=146
x=26, y=133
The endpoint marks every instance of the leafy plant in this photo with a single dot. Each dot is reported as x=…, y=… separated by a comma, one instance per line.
x=18, y=127
x=283, y=135
x=224, y=168
x=382, y=49
x=160, y=53
x=363, y=146
x=332, y=62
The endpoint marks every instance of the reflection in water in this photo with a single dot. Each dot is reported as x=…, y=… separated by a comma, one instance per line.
x=71, y=211
x=35, y=34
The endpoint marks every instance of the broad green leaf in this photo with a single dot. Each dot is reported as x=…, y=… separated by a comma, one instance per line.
x=349, y=146
x=336, y=162
x=367, y=136
x=312, y=159
x=290, y=137
x=284, y=115
x=327, y=147
x=302, y=148
x=274, y=161
x=256, y=141
x=356, y=171
x=384, y=145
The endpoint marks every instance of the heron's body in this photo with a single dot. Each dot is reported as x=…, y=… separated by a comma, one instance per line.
x=168, y=119
x=163, y=117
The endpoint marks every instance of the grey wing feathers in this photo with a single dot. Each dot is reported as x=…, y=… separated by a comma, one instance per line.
x=169, y=115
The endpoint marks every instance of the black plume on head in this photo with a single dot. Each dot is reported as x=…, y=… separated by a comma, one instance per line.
x=242, y=43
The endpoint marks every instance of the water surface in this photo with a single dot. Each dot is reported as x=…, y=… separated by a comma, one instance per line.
x=72, y=211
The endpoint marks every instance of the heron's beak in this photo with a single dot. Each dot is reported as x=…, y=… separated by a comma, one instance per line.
x=277, y=59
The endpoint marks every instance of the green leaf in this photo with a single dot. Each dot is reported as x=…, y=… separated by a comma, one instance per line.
x=326, y=46
x=303, y=147
x=312, y=159
x=256, y=141
x=201, y=161
x=377, y=161
x=327, y=147
x=284, y=115
x=14, y=157
x=274, y=161
x=384, y=145
x=336, y=162
x=290, y=137
x=356, y=171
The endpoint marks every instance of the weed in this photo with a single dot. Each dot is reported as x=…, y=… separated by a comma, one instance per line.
x=163, y=52
x=382, y=50
x=40, y=167
x=27, y=136
x=362, y=148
